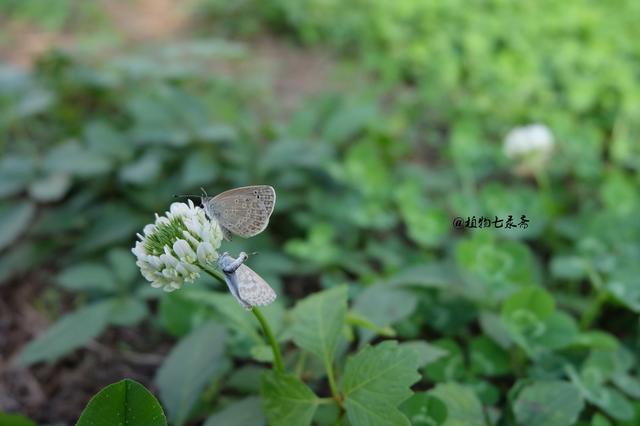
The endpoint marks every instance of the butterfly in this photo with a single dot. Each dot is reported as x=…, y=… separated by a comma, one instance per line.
x=249, y=288
x=242, y=211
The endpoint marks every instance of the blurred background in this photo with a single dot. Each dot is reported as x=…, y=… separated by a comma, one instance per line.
x=378, y=123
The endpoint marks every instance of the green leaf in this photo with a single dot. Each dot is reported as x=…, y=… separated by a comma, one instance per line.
x=188, y=368
x=463, y=406
x=68, y=333
x=15, y=174
x=383, y=306
x=552, y=403
x=87, y=277
x=14, y=220
x=318, y=322
x=628, y=384
x=487, y=358
x=123, y=403
x=533, y=299
x=15, y=420
x=423, y=409
x=448, y=367
x=376, y=380
x=287, y=401
x=85, y=162
x=127, y=311
x=225, y=304
x=50, y=188
x=105, y=140
x=145, y=170
x=245, y=412
x=123, y=265
x=427, y=353
x=611, y=401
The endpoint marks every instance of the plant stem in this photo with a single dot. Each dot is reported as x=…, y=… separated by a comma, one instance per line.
x=332, y=383
x=214, y=273
x=278, y=364
x=601, y=297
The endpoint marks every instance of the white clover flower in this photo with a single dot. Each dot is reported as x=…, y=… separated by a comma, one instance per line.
x=532, y=139
x=176, y=247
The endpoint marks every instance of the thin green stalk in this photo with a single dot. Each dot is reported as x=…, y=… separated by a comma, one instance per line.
x=601, y=297
x=214, y=273
x=278, y=364
x=332, y=383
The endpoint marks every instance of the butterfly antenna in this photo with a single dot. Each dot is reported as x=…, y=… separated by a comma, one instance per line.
x=184, y=195
x=204, y=192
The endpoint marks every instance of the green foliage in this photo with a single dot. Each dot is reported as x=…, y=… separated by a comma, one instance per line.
x=287, y=400
x=189, y=367
x=125, y=402
x=552, y=403
x=524, y=326
x=318, y=321
x=376, y=381
x=15, y=420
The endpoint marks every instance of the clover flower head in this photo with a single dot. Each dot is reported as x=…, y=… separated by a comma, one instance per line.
x=531, y=139
x=174, y=249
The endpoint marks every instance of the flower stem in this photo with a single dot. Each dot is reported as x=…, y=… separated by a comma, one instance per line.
x=214, y=273
x=278, y=364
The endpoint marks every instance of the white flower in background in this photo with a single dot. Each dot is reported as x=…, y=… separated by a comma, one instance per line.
x=530, y=146
x=532, y=139
x=175, y=248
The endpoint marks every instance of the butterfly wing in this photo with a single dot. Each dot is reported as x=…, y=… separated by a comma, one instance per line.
x=252, y=289
x=244, y=211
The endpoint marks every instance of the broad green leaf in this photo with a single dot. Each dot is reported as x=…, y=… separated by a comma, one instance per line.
x=532, y=299
x=427, y=353
x=487, y=358
x=15, y=174
x=628, y=384
x=123, y=403
x=14, y=220
x=235, y=317
x=15, y=420
x=376, y=380
x=611, y=401
x=87, y=277
x=383, y=305
x=245, y=379
x=105, y=140
x=245, y=412
x=127, y=311
x=85, y=163
x=429, y=275
x=450, y=366
x=287, y=400
x=423, y=409
x=50, y=188
x=463, y=406
x=188, y=368
x=123, y=265
x=552, y=403
x=68, y=333
x=318, y=321
x=143, y=171
x=494, y=269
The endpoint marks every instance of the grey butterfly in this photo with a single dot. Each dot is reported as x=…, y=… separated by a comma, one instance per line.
x=245, y=285
x=242, y=211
